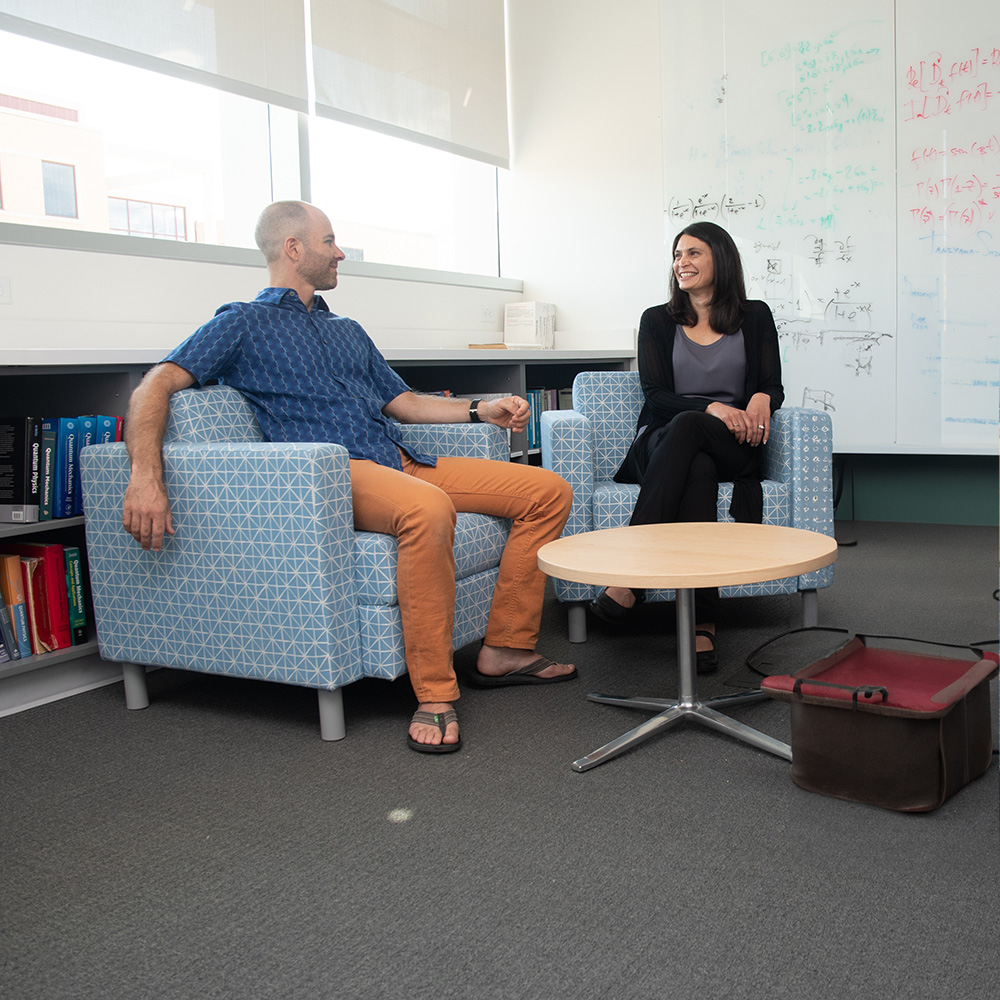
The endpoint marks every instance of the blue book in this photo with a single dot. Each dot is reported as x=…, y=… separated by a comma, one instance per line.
x=8, y=641
x=87, y=434
x=66, y=430
x=107, y=429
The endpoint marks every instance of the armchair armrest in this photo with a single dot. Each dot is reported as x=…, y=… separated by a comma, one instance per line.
x=458, y=440
x=800, y=453
x=257, y=581
x=568, y=449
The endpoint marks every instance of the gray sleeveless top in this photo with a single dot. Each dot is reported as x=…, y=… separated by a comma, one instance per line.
x=717, y=371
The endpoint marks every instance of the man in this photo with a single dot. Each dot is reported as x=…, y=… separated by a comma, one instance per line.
x=312, y=376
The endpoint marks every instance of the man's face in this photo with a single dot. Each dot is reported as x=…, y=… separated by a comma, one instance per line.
x=320, y=254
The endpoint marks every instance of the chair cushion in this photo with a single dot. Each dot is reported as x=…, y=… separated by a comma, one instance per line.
x=479, y=543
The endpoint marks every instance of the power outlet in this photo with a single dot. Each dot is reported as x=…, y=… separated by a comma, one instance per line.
x=4, y=291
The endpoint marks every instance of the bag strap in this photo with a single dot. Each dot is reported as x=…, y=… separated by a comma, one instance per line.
x=868, y=691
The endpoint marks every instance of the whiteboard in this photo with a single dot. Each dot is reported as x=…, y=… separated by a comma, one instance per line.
x=852, y=151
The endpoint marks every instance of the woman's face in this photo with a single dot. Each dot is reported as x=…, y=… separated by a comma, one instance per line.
x=693, y=267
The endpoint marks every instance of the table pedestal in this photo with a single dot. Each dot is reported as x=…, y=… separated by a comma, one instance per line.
x=686, y=705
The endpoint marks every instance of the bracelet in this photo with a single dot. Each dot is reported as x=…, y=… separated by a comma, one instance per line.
x=474, y=412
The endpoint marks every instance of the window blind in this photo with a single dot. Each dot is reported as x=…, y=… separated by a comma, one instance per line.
x=254, y=48
x=433, y=71
x=429, y=70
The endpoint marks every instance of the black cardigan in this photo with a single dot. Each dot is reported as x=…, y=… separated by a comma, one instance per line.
x=657, y=330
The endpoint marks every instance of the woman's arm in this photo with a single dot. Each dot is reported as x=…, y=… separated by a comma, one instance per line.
x=656, y=375
x=769, y=354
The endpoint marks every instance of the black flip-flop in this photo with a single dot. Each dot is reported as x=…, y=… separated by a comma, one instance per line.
x=439, y=719
x=523, y=675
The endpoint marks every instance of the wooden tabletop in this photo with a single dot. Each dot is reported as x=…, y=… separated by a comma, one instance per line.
x=687, y=555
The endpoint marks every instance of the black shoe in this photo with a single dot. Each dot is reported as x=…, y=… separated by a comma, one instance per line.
x=706, y=660
x=610, y=611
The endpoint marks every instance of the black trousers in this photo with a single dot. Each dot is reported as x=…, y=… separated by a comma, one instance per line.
x=679, y=467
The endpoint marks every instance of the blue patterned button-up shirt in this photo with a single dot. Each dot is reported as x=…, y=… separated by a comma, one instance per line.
x=308, y=374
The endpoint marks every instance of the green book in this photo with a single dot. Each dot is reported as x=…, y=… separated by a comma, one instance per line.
x=74, y=592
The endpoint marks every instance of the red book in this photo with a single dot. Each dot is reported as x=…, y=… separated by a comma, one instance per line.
x=49, y=601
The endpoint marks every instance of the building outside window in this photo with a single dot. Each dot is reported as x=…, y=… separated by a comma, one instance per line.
x=144, y=218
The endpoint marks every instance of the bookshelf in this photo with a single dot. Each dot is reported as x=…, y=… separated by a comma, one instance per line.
x=53, y=383
x=47, y=383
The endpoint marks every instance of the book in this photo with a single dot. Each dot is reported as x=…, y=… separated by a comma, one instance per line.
x=48, y=473
x=535, y=404
x=74, y=591
x=66, y=430
x=109, y=429
x=529, y=324
x=20, y=469
x=45, y=593
x=12, y=591
x=87, y=434
x=8, y=640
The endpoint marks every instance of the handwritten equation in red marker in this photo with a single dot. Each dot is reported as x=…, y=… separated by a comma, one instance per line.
x=944, y=85
x=955, y=183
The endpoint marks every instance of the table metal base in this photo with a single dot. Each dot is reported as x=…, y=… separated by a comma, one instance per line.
x=685, y=706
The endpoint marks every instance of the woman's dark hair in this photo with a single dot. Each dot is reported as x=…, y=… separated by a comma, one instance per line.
x=729, y=296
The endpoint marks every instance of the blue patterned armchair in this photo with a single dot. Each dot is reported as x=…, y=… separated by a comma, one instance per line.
x=265, y=576
x=586, y=445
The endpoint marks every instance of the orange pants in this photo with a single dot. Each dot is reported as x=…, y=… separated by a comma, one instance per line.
x=418, y=506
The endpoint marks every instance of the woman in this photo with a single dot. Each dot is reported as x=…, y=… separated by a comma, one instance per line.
x=710, y=371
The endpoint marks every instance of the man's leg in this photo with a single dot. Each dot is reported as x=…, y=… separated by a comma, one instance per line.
x=422, y=519
x=537, y=502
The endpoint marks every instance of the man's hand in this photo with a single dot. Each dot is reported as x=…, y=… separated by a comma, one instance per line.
x=146, y=512
x=511, y=412
x=146, y=509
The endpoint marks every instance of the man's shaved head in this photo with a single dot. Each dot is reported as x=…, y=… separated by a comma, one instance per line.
x=277, y=222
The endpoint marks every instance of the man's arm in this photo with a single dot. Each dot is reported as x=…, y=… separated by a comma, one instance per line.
x=146, y=509
x=409, y=408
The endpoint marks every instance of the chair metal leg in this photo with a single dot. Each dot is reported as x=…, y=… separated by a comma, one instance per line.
x=331, y=714
x=578, y=622
x=810, y=608
x=136, y=690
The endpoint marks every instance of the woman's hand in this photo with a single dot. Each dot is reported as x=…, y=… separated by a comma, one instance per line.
x=759, y=412
x=751, y=425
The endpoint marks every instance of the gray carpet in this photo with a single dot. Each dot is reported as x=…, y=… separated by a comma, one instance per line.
x=213, y=846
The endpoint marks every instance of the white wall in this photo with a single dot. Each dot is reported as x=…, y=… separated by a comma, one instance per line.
x=72, y=299
x=582, y=219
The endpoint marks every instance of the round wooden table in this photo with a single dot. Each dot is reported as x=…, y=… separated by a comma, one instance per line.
x=684, y=557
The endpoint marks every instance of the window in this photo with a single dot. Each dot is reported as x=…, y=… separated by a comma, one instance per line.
x=131, y=151
x=59, y=187
x=143, y=218
x=400, y=202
